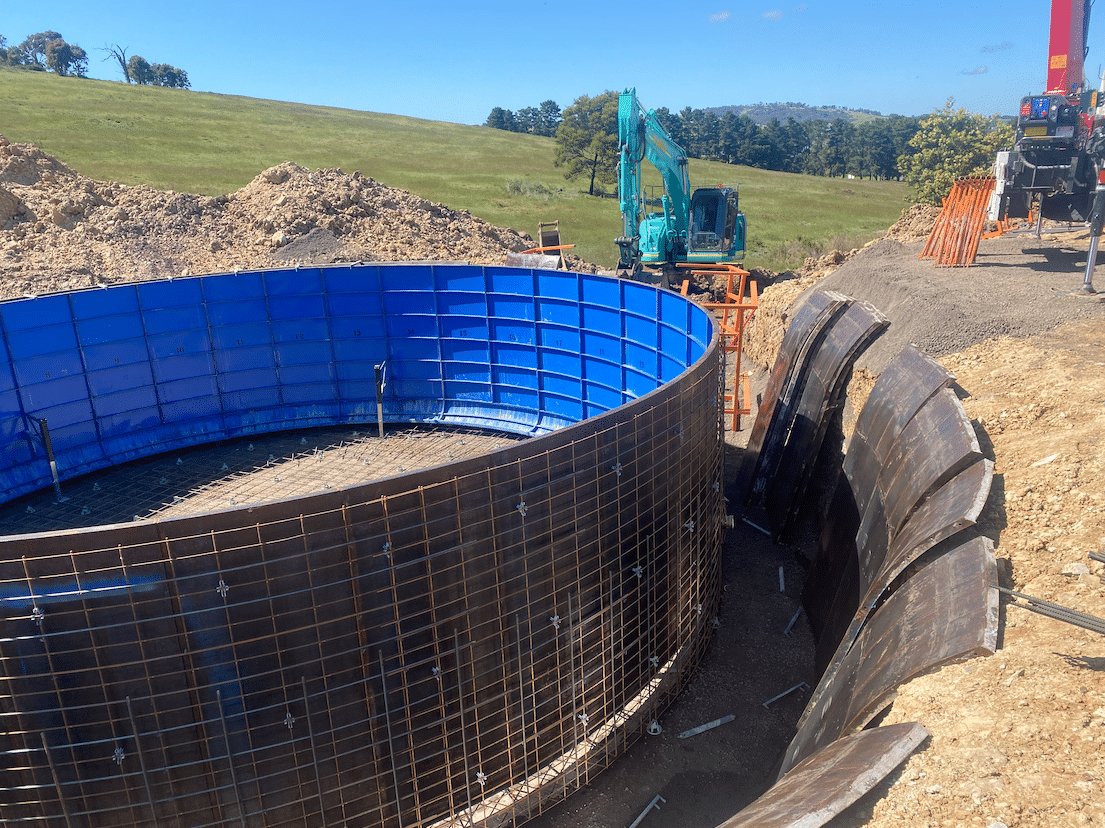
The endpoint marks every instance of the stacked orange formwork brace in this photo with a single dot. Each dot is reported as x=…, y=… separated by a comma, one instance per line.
x=954, y=239
x=732, y=329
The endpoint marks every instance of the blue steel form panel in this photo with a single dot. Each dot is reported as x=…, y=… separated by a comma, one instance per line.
x=354, y=307
x=131, y=370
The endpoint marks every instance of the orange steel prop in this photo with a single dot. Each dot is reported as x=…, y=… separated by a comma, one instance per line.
x=954, y=239
x=732, y=314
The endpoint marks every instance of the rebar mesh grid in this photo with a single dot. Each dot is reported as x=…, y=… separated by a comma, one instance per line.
x=460, y=644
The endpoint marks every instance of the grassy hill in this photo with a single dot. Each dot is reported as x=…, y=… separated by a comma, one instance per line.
x=212, y=144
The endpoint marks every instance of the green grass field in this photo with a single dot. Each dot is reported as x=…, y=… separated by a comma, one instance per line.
x=212, y=144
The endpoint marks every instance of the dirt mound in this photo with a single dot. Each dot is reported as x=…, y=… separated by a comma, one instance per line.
x=61, y=231
x=764, y=332
x=915, y=224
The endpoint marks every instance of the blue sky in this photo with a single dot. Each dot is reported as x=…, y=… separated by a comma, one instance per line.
x=455, y=61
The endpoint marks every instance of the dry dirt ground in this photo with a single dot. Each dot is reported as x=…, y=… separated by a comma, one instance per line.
x=1018, y=739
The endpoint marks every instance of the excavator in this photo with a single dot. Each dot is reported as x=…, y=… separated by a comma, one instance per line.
x=1058, y=158
x=703, y=227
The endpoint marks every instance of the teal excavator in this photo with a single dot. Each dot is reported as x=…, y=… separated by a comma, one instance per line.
x=703, y=227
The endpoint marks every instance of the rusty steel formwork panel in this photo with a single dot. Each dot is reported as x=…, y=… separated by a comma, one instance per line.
x=946, y=611
x=462, y=644
x=830, y=366
x=902, y=388
x=776, y=413
x=936, y=444
x=837, y=775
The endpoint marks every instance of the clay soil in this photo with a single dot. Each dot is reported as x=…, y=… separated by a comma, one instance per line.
x=1018, y=738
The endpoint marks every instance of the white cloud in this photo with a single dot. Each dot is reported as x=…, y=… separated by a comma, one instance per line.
x=978, y=70
x=1001, y=47
x=774, y=14
x=719, y=16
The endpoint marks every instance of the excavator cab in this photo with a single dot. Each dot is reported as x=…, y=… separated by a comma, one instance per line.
x=717, y=225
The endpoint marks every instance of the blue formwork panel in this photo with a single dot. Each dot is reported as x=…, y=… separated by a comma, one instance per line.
x=557, y=284
x=292, y=286
x=601, y=347
x=509, y=280
x=468, y=278
x=125, y=371
x=405, y=277
x=461, y=303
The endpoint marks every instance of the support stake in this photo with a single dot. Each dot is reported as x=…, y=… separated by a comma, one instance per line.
x=644, y=813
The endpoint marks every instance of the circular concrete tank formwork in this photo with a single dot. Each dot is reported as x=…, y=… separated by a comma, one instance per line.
x=460, y=644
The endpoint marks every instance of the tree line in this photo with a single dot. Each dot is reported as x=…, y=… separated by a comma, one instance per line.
x=542, y=119
x=49, y=52
x=834, y=148
x=928, y=152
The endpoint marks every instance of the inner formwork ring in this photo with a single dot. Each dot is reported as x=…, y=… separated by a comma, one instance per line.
x=466, y=642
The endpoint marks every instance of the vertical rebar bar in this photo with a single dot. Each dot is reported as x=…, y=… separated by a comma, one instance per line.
x=522, y=712
x=391, y=744
x=314, y=752
x=141, y=762
x=463, y=726
x=230, y=760
x=57, y=782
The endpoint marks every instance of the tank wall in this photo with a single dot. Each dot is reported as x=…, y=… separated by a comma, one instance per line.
x=460, y=644
x=135, y=369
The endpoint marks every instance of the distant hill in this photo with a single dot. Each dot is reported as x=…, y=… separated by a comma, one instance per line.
x=762, y=113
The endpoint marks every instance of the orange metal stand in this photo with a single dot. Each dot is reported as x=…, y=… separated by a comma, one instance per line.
x=732, y=315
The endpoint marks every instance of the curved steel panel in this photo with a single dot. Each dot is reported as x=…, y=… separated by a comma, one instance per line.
x=463, y=643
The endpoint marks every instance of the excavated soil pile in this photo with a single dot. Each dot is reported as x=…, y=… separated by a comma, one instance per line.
x=62, y=231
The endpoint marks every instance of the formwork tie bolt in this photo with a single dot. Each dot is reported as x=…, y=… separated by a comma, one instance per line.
x=180, y=461
x=584, y=718
x=163, y=481
x=119, y=756
x=30, y=510
x=249, y=447
x=233, y=501
x=387, y=548
x=222, y=588
x=698, y=608
x=654, y=661
x=272, y=458
x=225, y=467
x=95, y=487
x=654, y=729
x=276, y=480
x=481, y=777
x=289, y=720
x=555, y=622
x=37, y=614
x=521, y=507
x=717, y=623
x=639, y=571
x=617, y=469
x=716, y=487
x=689, y=525
x=87, y=511
x=437, y=672
x=303, y=441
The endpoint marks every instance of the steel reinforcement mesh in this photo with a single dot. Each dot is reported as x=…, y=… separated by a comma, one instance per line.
x=461, y=644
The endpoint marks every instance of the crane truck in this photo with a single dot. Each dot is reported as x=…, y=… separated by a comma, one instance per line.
x=1058, y=158
x=705, y=227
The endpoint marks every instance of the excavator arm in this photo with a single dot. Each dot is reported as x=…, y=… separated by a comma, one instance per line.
x=642, y=136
